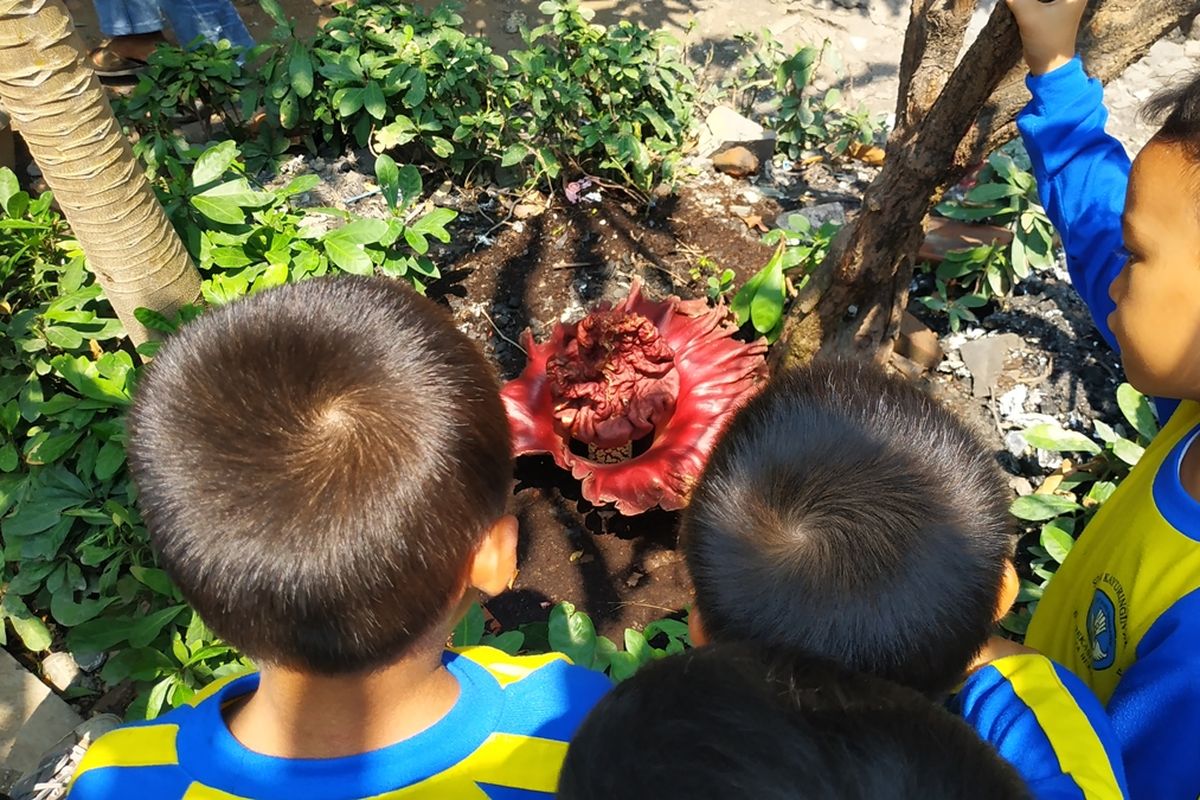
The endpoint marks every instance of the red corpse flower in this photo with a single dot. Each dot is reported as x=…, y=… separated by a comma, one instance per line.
x=643, y=389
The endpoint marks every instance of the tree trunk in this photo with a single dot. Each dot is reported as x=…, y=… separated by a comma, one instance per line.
x=61, y=111
x=945, y=121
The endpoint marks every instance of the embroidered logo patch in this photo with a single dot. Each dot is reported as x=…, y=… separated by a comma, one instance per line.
x=1102, y=631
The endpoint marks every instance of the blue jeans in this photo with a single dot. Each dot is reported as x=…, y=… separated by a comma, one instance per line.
x=211, y=19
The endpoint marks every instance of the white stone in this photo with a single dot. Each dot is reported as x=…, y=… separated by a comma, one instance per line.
x=724, y=128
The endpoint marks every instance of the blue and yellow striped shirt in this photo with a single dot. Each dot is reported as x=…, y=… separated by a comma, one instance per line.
x=504, y=739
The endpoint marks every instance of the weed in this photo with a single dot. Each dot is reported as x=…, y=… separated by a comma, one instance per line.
x=1068, y=499
x=800, y=248
x=1005, y=194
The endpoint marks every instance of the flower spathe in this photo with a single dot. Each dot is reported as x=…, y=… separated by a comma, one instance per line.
x=666, y=375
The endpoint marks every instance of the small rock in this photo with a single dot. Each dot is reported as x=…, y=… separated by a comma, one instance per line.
x=751, y=196
x=985, y=358
x=817, y=215
x=725, y=128
x=737, y=162
x=89, y=662
x=1020, y=485
x=1012, y=403
x=527, y=210
x=1015, y=443
x=514, y=22
x=60, y=670
x=918, y=343
x=741, y=211
x=1048, y=460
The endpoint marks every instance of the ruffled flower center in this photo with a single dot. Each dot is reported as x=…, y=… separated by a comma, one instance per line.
x=613, y=382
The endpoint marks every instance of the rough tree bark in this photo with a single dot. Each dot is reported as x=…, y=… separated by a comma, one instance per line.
x=62, y=112
x=946, y=120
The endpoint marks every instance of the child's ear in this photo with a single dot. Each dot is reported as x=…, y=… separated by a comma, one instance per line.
x=495, y=562
x=696, y=630
x=1010, y=587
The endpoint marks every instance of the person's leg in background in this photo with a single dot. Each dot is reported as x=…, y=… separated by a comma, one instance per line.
x=134, y=28
x=211, y=20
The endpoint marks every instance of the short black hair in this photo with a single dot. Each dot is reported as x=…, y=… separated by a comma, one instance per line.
x=846, y=513
x=732, y=721
x=316, y=465
x=1177, y=108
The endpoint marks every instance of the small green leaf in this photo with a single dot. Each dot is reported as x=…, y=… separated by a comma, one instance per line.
x=109, y=460
x=67, y=612
x=1137, y=410
x=1057, y=439
x=1040, y=507
x=572, y=633
x=417, y=87
x=514, y=155
x=1056, y=541
x=214, y=163
x=387, y=174
x=766, y=309
x=374, y=101
x=32, y=631
x=300, y=70
x=1128, y=452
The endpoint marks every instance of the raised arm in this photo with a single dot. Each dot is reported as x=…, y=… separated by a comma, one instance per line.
x=1082, y=172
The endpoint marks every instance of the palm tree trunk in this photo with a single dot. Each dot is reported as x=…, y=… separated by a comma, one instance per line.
x=61, y=111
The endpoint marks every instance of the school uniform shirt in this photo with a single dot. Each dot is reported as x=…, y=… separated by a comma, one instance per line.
x=1123, y=612
x=1047, y=725
x=504, y=739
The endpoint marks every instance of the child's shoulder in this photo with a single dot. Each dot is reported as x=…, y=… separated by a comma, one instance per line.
x=141, y=759
x=1046, y=722
x=545, y=672
x=546, y=694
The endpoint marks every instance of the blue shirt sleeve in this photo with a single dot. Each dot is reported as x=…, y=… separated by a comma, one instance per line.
x=1156, y=706
x=1082, y=175
x=1047, y=724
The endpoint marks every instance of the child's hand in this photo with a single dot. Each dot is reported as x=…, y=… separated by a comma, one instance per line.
x=1048, y=31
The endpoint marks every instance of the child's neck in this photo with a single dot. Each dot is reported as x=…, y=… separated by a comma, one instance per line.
x=304, y=715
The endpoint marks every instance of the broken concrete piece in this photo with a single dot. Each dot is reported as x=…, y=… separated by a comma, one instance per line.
x=918, y=343
x=817, y=215
x=725, y=128
x=61, y=670
x=32, y=718
x=984, y=358
x=737, y=162
x=943, y=235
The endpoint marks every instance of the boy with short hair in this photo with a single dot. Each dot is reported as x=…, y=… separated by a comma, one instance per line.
x=732, y=721
x=323, y=469
x=1123, y=612
x=846, y=514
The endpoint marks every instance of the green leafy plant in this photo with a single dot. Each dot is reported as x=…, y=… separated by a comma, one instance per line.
x=572, y=632
x=1060, y=510
x=612, y=100
x=1004, y=194
x=803, y=118
x=800, y=247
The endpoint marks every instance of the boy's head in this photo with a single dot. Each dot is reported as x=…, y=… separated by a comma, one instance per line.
x=1157, y=319
x=724, y=721
x=323, y=469
x=846, y=514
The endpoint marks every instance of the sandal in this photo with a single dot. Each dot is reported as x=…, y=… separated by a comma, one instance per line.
x=107, y=63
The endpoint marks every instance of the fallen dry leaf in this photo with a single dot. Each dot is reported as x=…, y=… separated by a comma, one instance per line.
x=755, y=221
